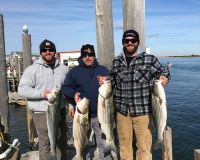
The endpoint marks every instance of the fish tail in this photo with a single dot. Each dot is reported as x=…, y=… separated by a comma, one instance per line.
x=55, y=154
x=113, y=151
x=53, y=157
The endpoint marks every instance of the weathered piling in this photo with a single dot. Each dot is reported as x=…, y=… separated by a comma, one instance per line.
x=104, y=32
x=3, y=79
x=27, y=61
x=134, y=17
x=197, y=154
x=26, y=43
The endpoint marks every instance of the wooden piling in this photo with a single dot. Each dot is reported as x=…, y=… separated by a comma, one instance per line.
x=27, y=56
x=167, y=151
x=3, y=80
x=27, y=61
x=104, y=32
x=197, y=154
x=134, y=18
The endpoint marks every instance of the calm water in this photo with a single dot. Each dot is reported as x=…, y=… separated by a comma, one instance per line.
x=183, y=98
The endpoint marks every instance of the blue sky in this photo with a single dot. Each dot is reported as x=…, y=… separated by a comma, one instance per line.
x=172, y=26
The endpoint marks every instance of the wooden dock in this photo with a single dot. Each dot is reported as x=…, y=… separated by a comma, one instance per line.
x=70, y=154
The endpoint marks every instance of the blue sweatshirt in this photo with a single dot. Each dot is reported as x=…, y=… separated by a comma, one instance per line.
x=83, y=79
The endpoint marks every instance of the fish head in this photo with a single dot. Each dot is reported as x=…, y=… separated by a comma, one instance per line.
x=51, y=97
x=156, y=86
x=158, y=89
x=57, y=92
x=83, y=105
x=105, y=89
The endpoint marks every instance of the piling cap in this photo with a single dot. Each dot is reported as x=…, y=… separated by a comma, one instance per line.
x=47, y=44
x=130, y=33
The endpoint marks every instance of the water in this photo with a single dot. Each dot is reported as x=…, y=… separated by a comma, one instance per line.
x=183, y=106
x=183, y=110
x=18, y=125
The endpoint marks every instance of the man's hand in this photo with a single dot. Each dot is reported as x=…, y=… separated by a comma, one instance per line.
x=77, y=97
x=164, y=80
x=101, y=79
x=71, y=111
x=46, y=92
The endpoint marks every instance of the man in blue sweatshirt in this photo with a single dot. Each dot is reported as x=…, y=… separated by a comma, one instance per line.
x=81, y=81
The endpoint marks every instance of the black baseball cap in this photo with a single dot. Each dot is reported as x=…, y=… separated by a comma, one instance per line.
x=85, y=47
x=47, y=44
x=131, y=33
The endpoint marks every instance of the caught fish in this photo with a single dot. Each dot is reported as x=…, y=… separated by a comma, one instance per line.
x=106, y=114
x=159, y=108
x=80, y=127
x=53, y=120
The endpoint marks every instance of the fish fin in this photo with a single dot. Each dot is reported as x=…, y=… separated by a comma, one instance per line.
x=56, y=155
x=113, y=147
x=83, y=121
x=58, y=152
x=113, y=150
x=158, y=145
x=114, y=155
x=78, y=119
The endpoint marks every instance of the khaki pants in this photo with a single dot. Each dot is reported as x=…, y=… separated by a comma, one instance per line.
x=141, y=126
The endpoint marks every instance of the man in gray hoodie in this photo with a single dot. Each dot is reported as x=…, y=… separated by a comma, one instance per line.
x=37, y=81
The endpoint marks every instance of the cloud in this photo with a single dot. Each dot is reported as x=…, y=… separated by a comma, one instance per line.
x=66, y=21
x=55, y=10
x=153, y=36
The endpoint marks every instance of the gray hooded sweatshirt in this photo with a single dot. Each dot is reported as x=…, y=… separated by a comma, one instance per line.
x=40, y=77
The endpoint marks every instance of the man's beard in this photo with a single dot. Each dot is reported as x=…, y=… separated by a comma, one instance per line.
x=49, y=60
x=131, y=51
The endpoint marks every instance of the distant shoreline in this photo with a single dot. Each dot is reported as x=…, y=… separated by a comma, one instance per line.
x=188, y=56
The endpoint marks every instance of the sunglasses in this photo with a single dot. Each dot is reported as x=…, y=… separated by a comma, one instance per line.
x=85, y=54
x=130, y=40
x=50, y=50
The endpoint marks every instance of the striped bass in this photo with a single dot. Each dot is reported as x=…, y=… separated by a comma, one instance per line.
x=80, y=127
x=53, y=122
x=106, y=114
x=159, y=108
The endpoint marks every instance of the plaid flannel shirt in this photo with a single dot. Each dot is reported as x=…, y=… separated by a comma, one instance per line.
x=132, y=85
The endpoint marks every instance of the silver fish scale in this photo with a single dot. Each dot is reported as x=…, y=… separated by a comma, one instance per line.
x=159, y=109
x=53, y=120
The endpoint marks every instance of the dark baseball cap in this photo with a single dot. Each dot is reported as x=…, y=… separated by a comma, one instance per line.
x=131, y=33
x=47, y=44
x=85, y=47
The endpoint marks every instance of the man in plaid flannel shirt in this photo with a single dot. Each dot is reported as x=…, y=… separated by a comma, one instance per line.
x=132, y=76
